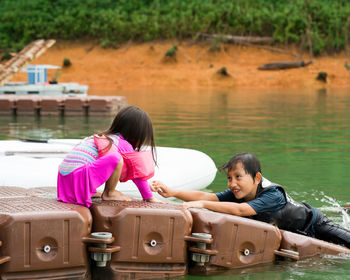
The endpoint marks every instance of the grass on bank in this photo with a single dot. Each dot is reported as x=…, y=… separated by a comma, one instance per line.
x=319, y=25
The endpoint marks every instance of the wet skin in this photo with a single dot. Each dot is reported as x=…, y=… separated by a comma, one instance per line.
x=242, y=184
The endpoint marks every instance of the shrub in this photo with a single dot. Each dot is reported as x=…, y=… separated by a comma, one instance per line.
x=322, y=76
x=6, y=56
x=172, y=51
x=223, y=71
x=66, y=62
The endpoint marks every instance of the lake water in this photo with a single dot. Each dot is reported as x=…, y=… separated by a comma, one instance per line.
x=302, y=138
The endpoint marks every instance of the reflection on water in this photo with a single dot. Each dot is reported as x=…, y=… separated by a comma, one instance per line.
x=324, y=268
x=301, y=137
x=50, y=127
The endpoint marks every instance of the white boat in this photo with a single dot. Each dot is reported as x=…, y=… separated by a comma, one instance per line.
x=38, y=84
x=21, y=88
x=35, y=164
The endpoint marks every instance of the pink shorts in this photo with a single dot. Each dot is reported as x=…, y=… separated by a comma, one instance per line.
x=80, y=185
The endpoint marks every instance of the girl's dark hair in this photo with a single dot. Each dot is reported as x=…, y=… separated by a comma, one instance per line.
x=135, y=126
x=250, y=162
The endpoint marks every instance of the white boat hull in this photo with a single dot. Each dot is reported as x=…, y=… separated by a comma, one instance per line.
x=30, y=165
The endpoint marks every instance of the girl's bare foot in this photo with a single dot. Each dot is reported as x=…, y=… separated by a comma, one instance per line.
x=114, y=195
x=97, y=194
x=153, y=199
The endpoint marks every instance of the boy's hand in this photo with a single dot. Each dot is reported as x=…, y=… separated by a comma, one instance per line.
x=162, y=189
x=193, y=204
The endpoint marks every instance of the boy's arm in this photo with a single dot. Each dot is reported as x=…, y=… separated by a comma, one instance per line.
x=165, y=191
x=238, y=209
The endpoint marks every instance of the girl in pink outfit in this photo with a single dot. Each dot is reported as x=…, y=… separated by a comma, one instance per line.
x=109, y=157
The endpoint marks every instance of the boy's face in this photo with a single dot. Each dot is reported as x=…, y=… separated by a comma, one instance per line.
x=241, y=183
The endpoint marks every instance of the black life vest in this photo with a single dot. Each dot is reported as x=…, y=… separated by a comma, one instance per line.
x=294, y=216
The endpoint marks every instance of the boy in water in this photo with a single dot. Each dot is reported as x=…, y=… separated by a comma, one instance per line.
x=251, y=195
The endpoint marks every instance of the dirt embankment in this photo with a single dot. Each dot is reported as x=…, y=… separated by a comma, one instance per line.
x=144, y=66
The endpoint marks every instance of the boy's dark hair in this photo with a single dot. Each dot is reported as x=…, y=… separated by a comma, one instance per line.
x=250, y=162
x=135, y=126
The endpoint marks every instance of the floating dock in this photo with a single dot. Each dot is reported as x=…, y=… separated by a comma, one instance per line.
x=38, y=97
x=60, y=105
x=41, y=238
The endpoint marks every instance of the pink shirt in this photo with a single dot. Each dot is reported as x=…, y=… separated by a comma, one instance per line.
x=142, y=185
x=86, y=152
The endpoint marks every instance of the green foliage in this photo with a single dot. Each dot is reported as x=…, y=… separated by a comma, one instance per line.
x=172, y=51
x=6, y=56
x=347, y=66
x=223, y=71
x=66, y=62
x=321, y=24
x=322, y=76
x=216, y=45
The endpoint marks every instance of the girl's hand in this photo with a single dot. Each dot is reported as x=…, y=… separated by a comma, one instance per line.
x=193, y=204
x=162, y=189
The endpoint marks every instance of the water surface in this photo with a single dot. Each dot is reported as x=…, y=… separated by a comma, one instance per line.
x=301, y=137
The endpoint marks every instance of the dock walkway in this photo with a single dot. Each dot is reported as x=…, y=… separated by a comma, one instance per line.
x=60, y=105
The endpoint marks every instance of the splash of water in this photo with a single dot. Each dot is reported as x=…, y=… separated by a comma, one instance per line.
x=335, y=206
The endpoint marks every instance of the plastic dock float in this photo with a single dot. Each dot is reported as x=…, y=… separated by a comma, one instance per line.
x=61, y=106
x=306, y=247
x=230, y=241
x=7, y=106
x=42, y=238
x=151, y=237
